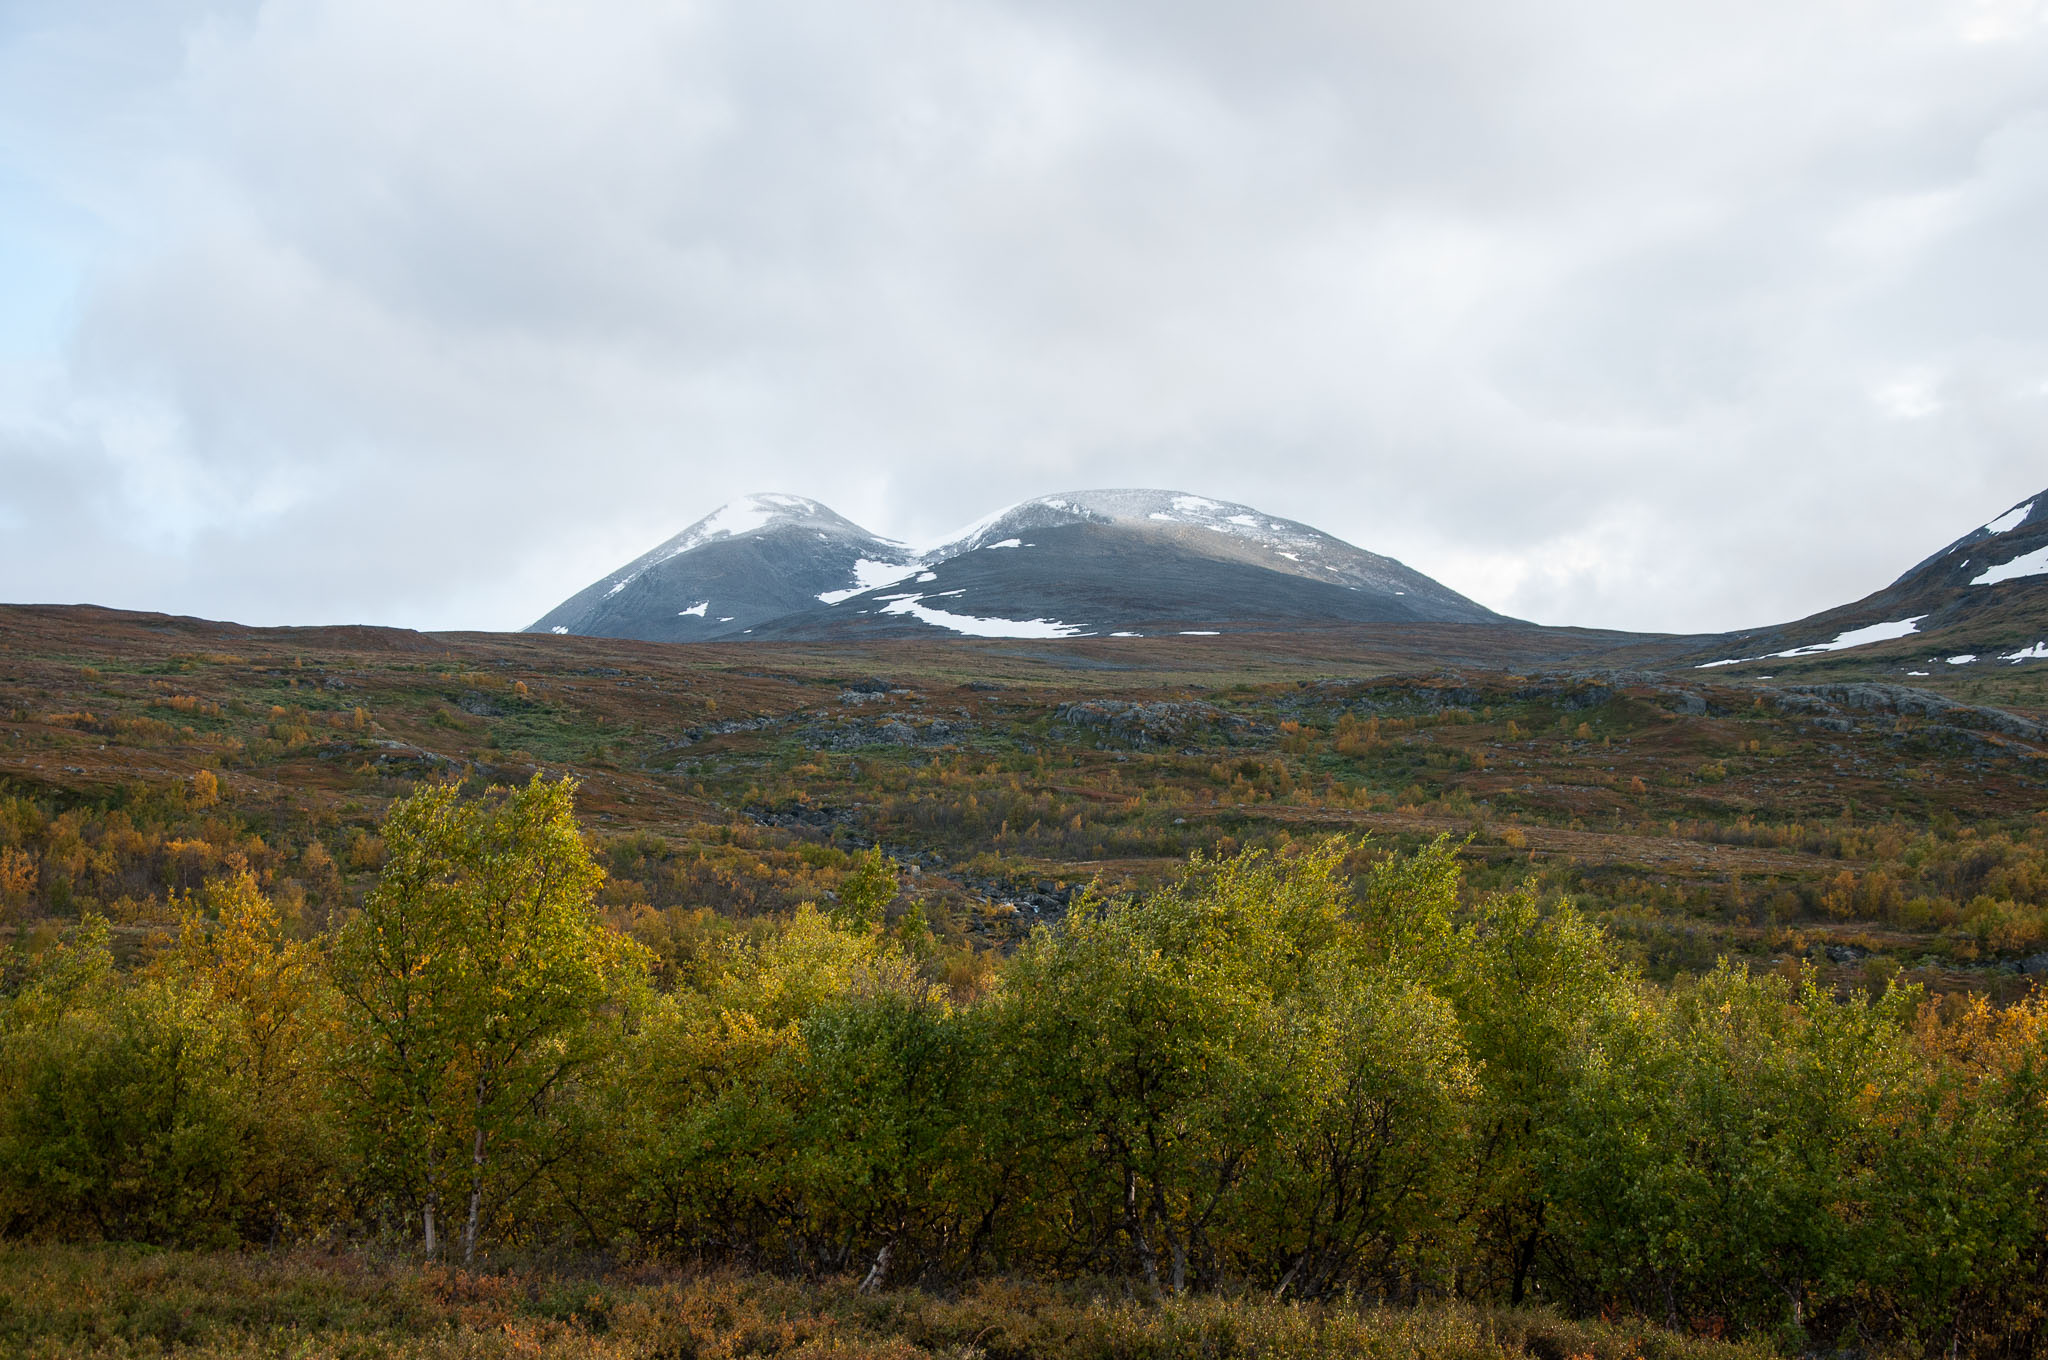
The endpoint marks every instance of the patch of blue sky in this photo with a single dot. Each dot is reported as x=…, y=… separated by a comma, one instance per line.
x=46, y=249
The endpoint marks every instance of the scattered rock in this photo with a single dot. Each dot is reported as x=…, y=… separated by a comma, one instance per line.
x=1907, y=702
x=1146, y=724
x=722, y=729
x=1691, y=703
x=806, y=815
x=888, y=729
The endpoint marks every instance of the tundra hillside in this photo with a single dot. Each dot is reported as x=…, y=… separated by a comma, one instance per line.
x=1307, y=1075
x=282, y=973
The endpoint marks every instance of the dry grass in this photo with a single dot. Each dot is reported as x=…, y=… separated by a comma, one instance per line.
x=123, y=1302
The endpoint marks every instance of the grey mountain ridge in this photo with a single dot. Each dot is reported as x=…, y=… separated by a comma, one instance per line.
x=1084, y=563
x=1977, y=596
x=1156, y=563
x=741, y=566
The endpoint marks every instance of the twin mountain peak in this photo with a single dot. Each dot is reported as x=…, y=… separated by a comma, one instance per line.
x=1085, y=563
x=1130, y=563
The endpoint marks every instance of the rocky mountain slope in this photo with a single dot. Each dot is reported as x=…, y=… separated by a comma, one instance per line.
x=1137, y=563
x=1089, y=563
x=743, y=565
x=1983, y=599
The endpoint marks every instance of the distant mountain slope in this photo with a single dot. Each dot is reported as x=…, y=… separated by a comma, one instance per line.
x=1220, y=531
x=1981, y=599
x=1087, y=563
x=743, y=565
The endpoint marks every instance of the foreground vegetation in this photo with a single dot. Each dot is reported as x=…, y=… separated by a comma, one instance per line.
x=64, y=1302
x=1681, y=1003
x=1308, y=1076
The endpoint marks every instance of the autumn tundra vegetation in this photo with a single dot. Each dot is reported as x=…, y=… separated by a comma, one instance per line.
x=1285, y=1078
x=975, y=1002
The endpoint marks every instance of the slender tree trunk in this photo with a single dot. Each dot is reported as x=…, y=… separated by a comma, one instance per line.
x=476, y=1198
x=433, y=1203
x=1134, y=1224
x=878, y=1272
x=1176, y=1248
x=1280, y=1291
x=1525, y=1258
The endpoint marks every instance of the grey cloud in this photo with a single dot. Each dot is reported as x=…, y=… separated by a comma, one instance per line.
x=1682, y=316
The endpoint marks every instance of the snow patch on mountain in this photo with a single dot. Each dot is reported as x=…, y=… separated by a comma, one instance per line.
x=869, y=574
x=1177, y=508
x=2011, y=519
x=1860, y=637
x=748, y=514
x=978, y=627
x=966, y=534
x=2034, y=563
x=735, y=519
x=1854, y=637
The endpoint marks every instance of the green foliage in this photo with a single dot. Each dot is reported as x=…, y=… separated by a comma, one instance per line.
x=115, y=1123
x=1295, y=1072
x=1148, y=1030
x=176, y=1108
x=1797, y=1166
x=478, y=984
x=887, y=1160
x=1355, y=1188
x=1528, y=986
x=865, y=894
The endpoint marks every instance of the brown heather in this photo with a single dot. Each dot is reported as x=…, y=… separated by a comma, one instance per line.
x=61, y=1303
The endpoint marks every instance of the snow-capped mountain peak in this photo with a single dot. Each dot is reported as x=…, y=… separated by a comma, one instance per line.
x=1140, y=508
x=1210, y=527
x=737, y=519
x=1105, y=561
x=762, y=510
x=749, y=561
x=1135, y=506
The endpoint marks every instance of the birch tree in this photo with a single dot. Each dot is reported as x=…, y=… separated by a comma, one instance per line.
x=477, y=982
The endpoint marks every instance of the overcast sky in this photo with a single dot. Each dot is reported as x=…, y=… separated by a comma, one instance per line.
x=1685, y=315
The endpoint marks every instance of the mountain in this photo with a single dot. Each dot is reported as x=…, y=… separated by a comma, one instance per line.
x=1981, y=599
x=1164, y=563
x=743, y=565
x=1084, y=563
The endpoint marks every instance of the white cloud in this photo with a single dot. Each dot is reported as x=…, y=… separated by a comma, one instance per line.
x=1683, y=316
